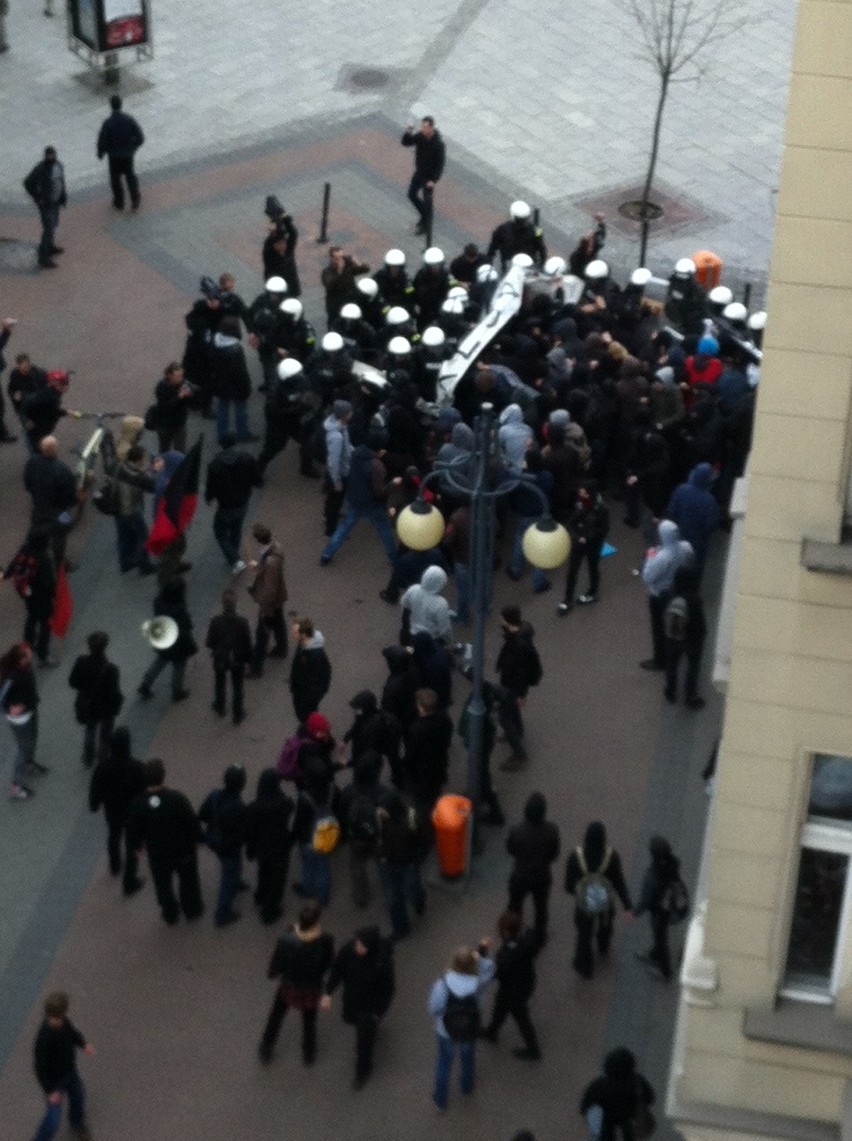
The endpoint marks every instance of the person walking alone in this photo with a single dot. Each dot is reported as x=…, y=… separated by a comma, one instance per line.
x=45, y=184
x=19, y=700
x=99, y=698
x=56, y=1069
x=430, y=154
x=120, y=137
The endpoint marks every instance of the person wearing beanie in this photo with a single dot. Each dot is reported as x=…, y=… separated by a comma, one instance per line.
x=365, y=497
x=703, y=369
x=223, y=815
x=533, y=845
x=365, y=967
x=310, y=670
x=338, y=449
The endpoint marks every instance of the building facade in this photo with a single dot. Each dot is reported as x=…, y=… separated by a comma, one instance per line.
x=764, y=1037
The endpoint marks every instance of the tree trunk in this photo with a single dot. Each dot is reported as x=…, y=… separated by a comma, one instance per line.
x=665, y=76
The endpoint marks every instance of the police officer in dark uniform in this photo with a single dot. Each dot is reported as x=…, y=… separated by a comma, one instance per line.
x=431, y=283
x=287, y=402
x=519, y=235
x=330, y=370
x=294, y=336
x=426, y=360
x=392, y=279
x=686, y=301
x=359, y=337
x=279, y=248
x=164, y=822
x=262, y=320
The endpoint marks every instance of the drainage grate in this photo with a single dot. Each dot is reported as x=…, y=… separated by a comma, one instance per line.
x=358, y=77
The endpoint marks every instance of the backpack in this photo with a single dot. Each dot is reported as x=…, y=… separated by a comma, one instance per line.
x=675, y=900
x=461, y=1016
x=593, y=892
x=363, y=822
x=288, y=766
x=22, y=572
x=326, y=835
x=105, y=499
x=674, y=619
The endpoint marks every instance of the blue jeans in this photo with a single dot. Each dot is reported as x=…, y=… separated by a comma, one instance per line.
x=446, y=1052
x=26, y=737
x=223, y=418
x=402, y=885
x=229, y=880
x=49, y=222
x=228, y=529
x=316, y=874
x=517, y=561
x=462, y=571
x=72, y=1087
x=375, y=515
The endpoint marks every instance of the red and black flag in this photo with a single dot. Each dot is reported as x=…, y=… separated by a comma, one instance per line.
x=177, y=503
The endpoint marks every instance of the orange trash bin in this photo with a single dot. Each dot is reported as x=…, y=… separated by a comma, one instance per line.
x=708, y=269
x=451, y=817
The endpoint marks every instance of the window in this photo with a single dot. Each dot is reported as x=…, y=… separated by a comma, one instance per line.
x=823, y=893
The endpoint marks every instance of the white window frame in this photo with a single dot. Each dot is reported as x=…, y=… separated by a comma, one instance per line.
x=822, y=834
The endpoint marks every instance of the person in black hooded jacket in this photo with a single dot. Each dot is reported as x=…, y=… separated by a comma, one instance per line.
x=358, y=806
x=269, y=841
x=663, y=870
x=619, y=1093
x=534, y=845
x=365, y=967
x=594, y=857
x=398, y=693
x=116, y=780
x=223, y=815
x=515, y=983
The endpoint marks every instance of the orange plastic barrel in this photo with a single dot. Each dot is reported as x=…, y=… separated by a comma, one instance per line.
x=450, y=817
x=708, y=269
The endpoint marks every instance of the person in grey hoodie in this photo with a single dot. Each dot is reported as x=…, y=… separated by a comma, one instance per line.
x=231, y=380
x=469, y=974
x=661, y=565
x=423, y=608
x=515, y=438
x=338, y=459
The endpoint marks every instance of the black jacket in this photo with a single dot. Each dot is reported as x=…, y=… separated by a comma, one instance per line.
x=231, y=477
x=40, y=185
x=515, y=968
x=172, y=408
x=51, y=484
x=533, y=847
x=398, y=694
x=618, y=1098
x=171, y=603
x=53, y=1053
x=231, y=379
x=115, y=783
x=98, y=691
x=429, y=154
x=310, y=674
x=302, y=962
x=223, y=815
x=268, y=835
x=120, y=135
x=427, y=755
x=165, y=822
x=229, y=641
x=368, y=980
x=517, y=661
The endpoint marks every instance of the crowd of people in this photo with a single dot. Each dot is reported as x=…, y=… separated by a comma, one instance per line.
x=601, y=399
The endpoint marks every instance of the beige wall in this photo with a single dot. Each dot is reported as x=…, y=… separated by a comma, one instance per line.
x=790, y=689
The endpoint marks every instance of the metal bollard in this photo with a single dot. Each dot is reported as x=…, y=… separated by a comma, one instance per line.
x=326, y=200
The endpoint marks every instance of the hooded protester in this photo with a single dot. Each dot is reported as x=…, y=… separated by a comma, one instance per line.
x=129, y=433
x=408, y=568
x=171, y=603
x=661, y=564
x=519, y=668
x=454, y=1006
x=223, y=815
x=616, y=1101
x=694, y=509
x=365, y=967
x=99, y=698
x=661, y=874
x=588, y=527
x=434, y=668
x=358, y=806
x=116, y=780
x=594, y=876
x=666, y=400
x=268, y=841
x=398, y=699
x=685, y=628
x=424, y=609
x=515, y=438
x=427, y=749
x=231, y=380
x=310, y=670
x=534, y=846
x=316, y=801
x=515, y=962
x=372, y=729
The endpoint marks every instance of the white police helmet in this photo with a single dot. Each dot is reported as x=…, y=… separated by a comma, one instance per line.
x=640, y=277
x=720, y=296
x=394, y=257
x=288, y=368
x=332, y=342
x=757, y=321
x=457, y=291
x=596, y=270
x=433, y=337
x=399, y=346
x=397, y=315
x=486, y=274
x=736, y=313
x=433, y=256
x=555, y=266
x=520, y=210
x=276, y=285
x=522, y=261
x=685, y=266
x=367, y=286
x=351, y=311
x=453, y=307
x=293, y=306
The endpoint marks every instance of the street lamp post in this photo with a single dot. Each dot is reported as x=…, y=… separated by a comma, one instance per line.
x=546, y=545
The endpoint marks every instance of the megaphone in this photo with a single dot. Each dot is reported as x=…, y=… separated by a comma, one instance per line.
x=161, y=631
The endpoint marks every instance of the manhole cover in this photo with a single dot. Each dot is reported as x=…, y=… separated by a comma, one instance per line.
x=639, y=211
x=369, y=78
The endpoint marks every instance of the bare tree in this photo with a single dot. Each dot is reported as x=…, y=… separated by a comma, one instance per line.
x=674, y=35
